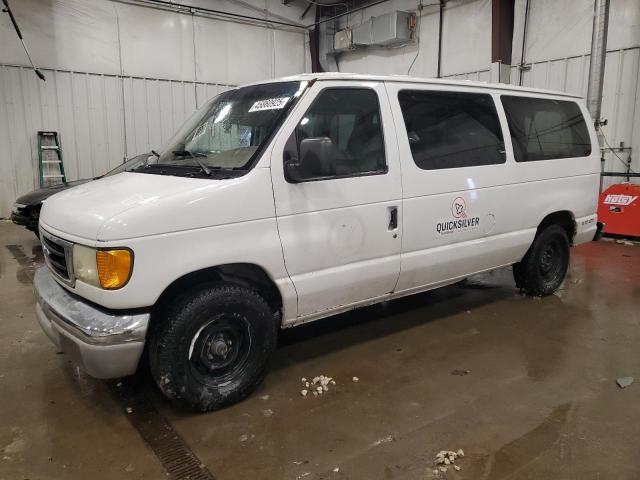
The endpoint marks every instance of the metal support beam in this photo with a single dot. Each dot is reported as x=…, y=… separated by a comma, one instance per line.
x=440, y=38
x=501, y=30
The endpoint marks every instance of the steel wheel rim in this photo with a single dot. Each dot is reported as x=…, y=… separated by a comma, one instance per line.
x=219, y=348
x=550, y=259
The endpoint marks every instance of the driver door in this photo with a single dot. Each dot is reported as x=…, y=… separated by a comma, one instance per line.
x=340, y=217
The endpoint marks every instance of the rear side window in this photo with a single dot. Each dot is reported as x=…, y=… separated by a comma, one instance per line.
x=544, y=129
x=350, y=118
x=451, y=129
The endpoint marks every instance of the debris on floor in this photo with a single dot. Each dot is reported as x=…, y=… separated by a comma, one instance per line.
x=459, y=372
x=317, y=386
x=355, y=379
x=387, y=439
x=625, y=242
x=624, y=382
x=336, y=470
x=446, y=458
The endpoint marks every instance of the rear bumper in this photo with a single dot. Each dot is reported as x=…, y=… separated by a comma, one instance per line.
x=104, y=343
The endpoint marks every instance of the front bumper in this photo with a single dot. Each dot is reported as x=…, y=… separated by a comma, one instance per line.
x=25, y=216
x=105, y=343
x=19, y=219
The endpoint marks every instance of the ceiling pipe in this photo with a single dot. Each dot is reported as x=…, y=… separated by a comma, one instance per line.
x=598, y=58
x=440, y=20
x=523, y=66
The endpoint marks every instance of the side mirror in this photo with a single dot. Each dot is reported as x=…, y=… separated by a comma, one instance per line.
x=316, y=159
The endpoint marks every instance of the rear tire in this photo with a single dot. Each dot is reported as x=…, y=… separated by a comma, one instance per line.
x=212, y=347
x=543, y=268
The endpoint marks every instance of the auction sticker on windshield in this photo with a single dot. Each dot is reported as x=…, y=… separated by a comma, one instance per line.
x=269, y=104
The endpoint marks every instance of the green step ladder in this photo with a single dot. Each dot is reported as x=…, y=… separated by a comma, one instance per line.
x=50, y=164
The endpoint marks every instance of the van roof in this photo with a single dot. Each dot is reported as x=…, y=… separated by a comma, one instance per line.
x=409, y=79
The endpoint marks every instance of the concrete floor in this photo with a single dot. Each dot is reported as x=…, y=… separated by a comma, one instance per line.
x=539, y=400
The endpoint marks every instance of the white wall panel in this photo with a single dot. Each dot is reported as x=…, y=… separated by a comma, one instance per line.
x=63, y=34
x=156, y=43
x=213, y=39
x=122, y=78
x=154, y=110
x=288, y=52
x=466, y=42
x=395, y=60
x=563, y=28
x=267, y=9
x=252, y=59
x=87, y=112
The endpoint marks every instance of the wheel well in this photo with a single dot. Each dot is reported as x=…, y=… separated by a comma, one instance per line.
x=563, y=218
x=244, y=274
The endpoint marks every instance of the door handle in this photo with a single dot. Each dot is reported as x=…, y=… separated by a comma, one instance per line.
x=393, y=218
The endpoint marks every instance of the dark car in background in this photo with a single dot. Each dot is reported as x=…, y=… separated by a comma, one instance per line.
x=26, y=209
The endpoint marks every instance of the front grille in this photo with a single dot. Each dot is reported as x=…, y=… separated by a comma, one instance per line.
x=57, y=255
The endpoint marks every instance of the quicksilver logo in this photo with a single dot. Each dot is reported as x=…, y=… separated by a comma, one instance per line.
x=452, y=225
x=461, y=221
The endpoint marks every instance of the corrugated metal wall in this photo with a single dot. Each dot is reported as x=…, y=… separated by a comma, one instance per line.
x=122, y=76
x=101, y=119
x=620, y=100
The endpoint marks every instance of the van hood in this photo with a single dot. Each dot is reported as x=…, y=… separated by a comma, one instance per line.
x=129, y=205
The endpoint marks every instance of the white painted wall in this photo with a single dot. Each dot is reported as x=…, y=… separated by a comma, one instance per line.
x=558, y=45
x=121, y=78
x=466, y=40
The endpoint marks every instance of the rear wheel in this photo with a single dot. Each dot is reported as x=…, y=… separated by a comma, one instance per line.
x=543, y=268
x=212, y=347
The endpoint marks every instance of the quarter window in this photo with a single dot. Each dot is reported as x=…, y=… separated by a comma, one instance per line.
x=451, y=129
x=543, y=129
x=348, y=120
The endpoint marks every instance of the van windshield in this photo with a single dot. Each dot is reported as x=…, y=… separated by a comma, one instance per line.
x=228, y=132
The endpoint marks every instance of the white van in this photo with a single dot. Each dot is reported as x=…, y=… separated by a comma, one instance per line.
x=287, y=201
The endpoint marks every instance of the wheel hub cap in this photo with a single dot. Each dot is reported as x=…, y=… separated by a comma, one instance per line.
x=219, y=346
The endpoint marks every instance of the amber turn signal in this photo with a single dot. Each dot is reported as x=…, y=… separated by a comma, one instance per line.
x=114, y=267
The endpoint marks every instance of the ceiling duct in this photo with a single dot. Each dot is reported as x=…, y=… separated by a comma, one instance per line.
x=389, y=30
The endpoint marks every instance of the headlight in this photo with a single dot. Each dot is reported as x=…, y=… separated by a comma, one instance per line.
x=108, y=269
x=84, y=265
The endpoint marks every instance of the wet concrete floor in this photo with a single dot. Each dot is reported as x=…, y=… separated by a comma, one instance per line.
x=526, y=387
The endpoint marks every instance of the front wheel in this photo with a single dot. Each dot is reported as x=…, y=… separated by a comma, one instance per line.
x=212, y=347
x=543, y=268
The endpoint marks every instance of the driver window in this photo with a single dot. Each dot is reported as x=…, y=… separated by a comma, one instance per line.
x=350, y=118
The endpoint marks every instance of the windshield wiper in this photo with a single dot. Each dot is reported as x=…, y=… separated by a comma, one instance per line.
x=188, y=153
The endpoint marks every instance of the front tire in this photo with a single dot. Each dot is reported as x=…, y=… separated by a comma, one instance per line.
x=212, y=347
x=543, y=268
